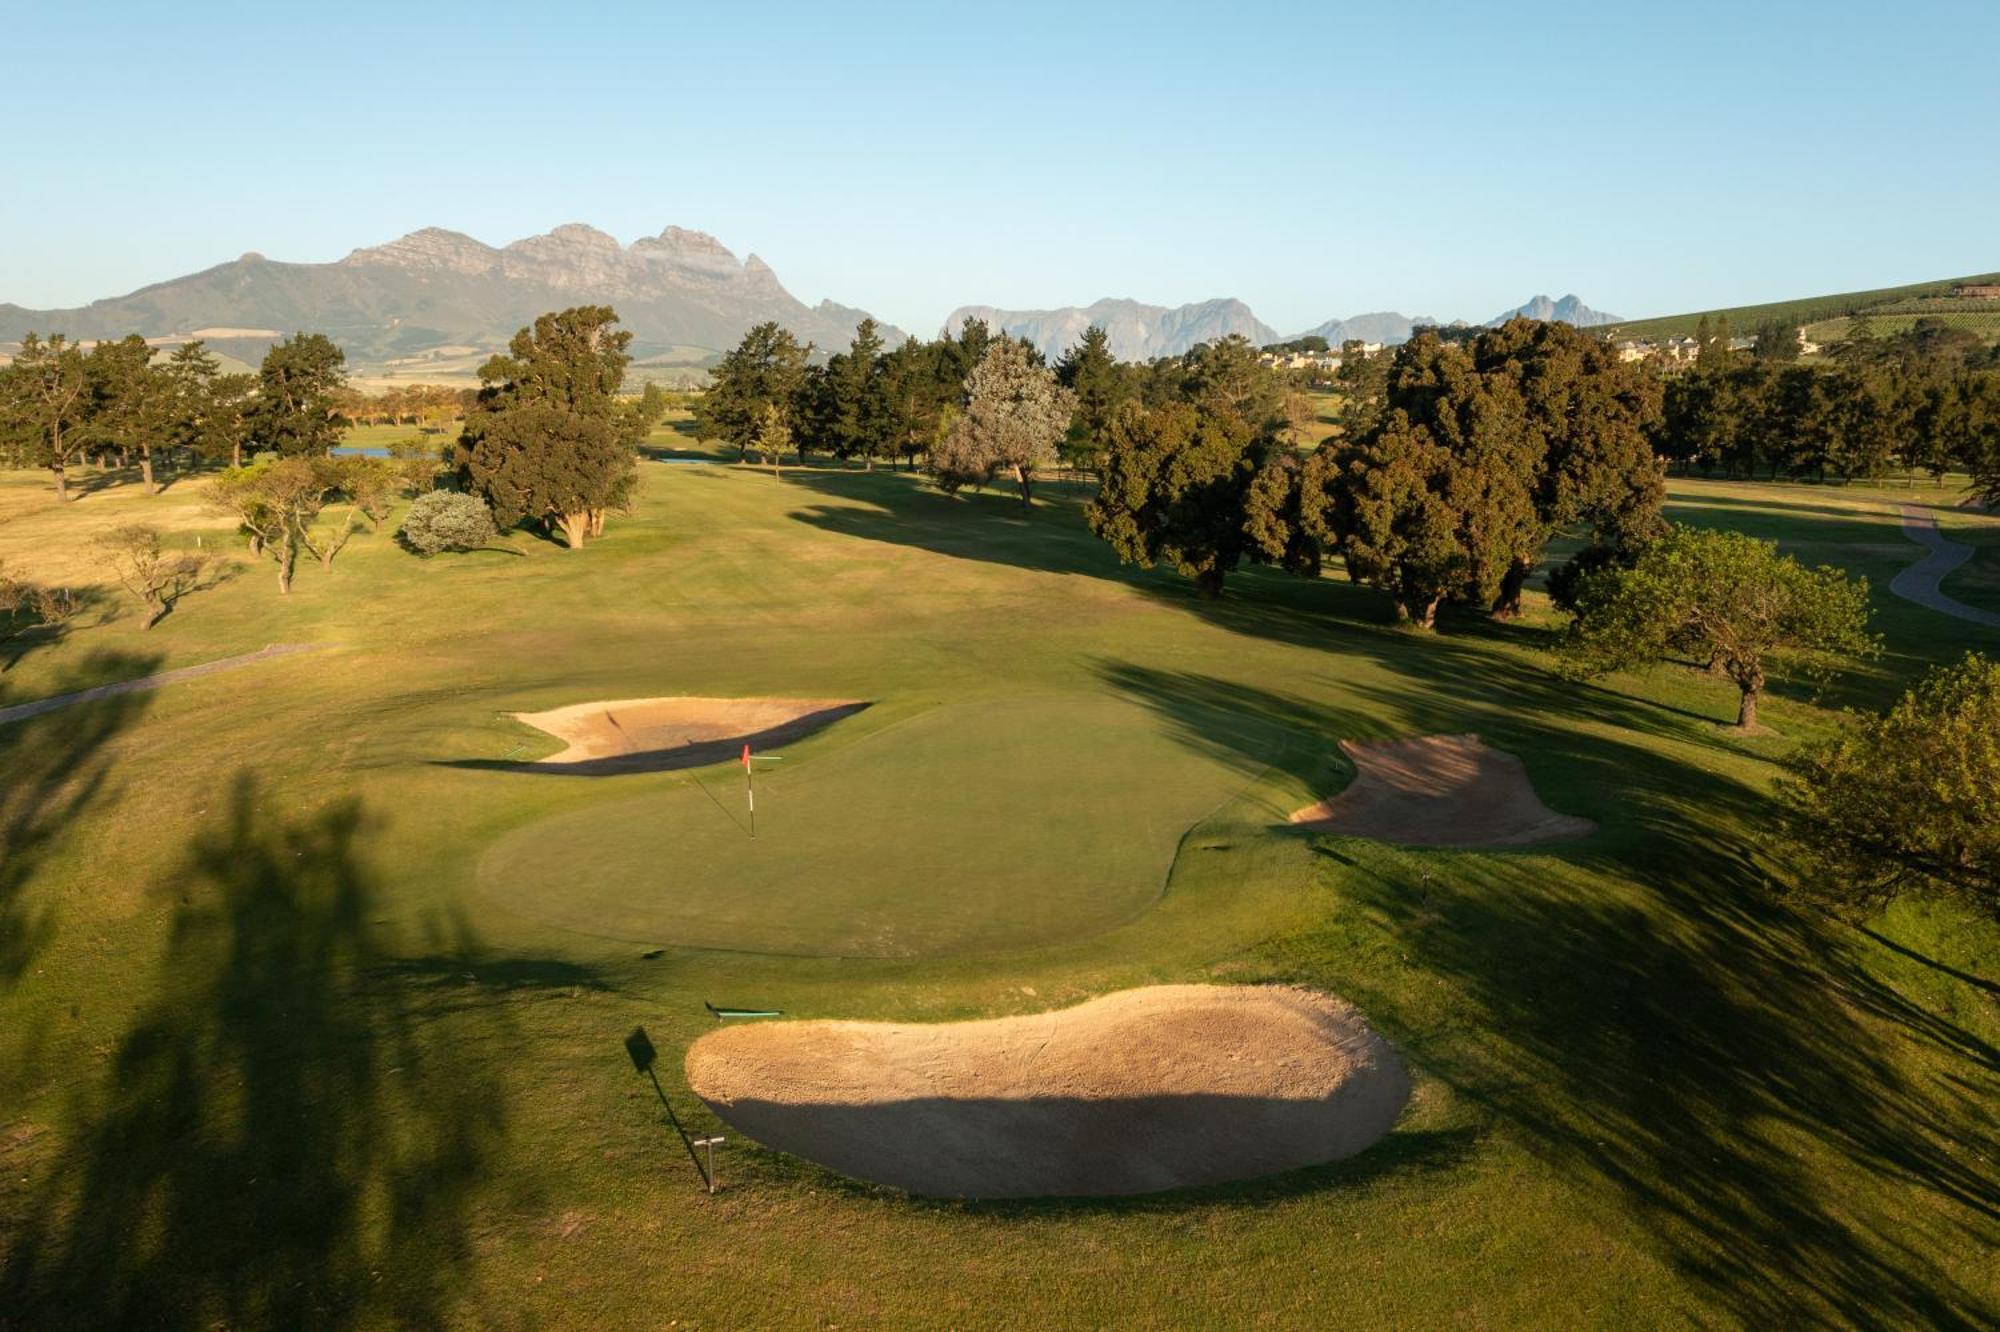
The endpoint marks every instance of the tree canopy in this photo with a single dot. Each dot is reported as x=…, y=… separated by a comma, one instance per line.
x=548, y=440
x=45, y=406
x=767, y=369
x=1175, y=482
x=299, y=391
x=1723, y=600
x=1015, y=412
x=1909, y=799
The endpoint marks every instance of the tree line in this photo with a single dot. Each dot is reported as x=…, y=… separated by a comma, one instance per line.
x=1447, y=489
x=1926, y=399
x=940, y=404
x=62, y=404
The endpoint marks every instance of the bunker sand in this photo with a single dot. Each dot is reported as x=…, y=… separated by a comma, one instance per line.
x=661, y=734
x=1440, y=790
x=1137, y=1092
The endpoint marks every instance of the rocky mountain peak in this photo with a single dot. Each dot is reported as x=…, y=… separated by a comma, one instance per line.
x=431, y=248
x=1569, y=310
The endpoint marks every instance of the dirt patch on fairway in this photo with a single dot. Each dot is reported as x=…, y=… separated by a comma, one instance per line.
x=1440, y=790
x=1137, y=1092
x=657, y=734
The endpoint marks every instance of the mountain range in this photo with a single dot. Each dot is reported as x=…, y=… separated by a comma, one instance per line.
x=1135, y=331
x=1139, y=332
x=436, y=302
x=437, y=296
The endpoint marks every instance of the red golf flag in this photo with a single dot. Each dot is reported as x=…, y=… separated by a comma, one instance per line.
x=746, y=758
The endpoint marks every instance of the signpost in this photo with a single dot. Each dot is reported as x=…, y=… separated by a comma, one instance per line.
x=640, y=1047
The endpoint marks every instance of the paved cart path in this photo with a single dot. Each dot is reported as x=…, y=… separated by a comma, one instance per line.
x=1919, y=582
x=22, y=711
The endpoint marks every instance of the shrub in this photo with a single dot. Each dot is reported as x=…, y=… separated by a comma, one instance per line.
x=445, y=520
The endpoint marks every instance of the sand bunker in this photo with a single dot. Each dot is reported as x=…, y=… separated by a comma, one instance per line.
x=1440, y=790
x=1152, y=1089
x=652, y=734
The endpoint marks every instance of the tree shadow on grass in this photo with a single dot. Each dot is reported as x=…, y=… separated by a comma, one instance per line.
x=87, y=601
x=1690, y=1049
x=1646, y=1012
x=54, y=772
x=290, y=1134
x=898, y=508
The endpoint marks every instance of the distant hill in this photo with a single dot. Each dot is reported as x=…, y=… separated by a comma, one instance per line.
x=1568, y=310
x=1391, y=328
x=437, y=297
x=1811, y=309
x=1386, y=327
x=1137, y=332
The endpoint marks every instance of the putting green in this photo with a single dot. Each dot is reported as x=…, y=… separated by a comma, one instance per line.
x=969, y=828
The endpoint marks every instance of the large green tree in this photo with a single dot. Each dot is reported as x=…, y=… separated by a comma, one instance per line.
x=1907, y=799
x=1089, y=371
x=1175, y=483
x=1722, y=600
x=916, y=399
x=767, y=368
x=1015, y=412
x=548, y=440
x=860, y=416
x=206, y=413
x=300, y=386
x=1436, y=501
x=128, y=403
x=45, y=407
x=1586, y=421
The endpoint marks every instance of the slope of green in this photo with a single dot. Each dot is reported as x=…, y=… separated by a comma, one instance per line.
x=1744, y=319
x=276, y=1057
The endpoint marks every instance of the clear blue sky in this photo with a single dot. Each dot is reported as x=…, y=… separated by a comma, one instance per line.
x=1315, y=160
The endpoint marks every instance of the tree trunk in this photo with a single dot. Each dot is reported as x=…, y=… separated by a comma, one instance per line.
x=1507, y=606
x=62, y=483
x=1746, y=710
x=1209, y=582
x=596, y=523
x=235, y=455
x=1027, y=486
x=146, y=471
x=1421, y=614
x=575, y=526
x=285, y=570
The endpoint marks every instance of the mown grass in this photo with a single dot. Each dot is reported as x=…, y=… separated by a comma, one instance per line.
x=276, y=1057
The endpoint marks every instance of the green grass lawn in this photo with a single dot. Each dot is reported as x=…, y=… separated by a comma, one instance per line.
x=305, y=1026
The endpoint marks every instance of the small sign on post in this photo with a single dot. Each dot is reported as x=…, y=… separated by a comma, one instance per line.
x=709, y=1143
x=640, y=1047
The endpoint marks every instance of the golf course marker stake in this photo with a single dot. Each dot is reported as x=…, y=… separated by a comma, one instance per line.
x=640, y=1047
x=709, y=1143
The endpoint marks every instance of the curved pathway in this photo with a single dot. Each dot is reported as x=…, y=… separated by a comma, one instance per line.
x=21, y=711
x=1919, y=582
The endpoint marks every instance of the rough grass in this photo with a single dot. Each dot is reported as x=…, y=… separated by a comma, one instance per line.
x=275, y=1057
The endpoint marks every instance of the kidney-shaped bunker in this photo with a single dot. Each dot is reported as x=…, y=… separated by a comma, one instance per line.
x=1136, y=1092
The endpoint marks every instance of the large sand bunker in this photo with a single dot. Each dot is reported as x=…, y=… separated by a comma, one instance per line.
x=655, y=734
x=1151, y=1089
x=1440, y=790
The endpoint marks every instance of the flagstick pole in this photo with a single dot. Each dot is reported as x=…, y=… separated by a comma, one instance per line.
x=750, y=791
